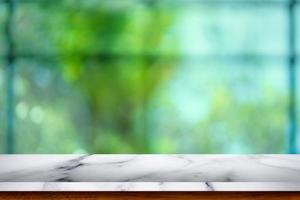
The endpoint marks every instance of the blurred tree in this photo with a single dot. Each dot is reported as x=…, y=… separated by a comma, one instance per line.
x=112, y=54
x=102, y=76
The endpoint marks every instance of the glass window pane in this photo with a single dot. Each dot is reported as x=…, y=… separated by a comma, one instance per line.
x=168, y=107
x=298, y=28
x=229, y=29
x=142, y=77
x=221, y=107
x=298, y=105
x=43, y=101
x=33, y=31
x=3, y=15
x=65, y=109
x=132, y=27
x=102, y=27
x=2, y=106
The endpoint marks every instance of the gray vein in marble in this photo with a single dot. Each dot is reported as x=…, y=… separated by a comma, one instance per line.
x=209, y=186
x=66, y=167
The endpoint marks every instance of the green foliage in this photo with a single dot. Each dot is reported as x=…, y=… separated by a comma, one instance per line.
x=109, y=59
x=110, y=76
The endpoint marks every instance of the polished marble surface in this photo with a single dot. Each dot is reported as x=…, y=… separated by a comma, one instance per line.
x=149, y=172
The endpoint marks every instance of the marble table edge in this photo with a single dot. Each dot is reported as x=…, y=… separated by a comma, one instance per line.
x=148, y=186
x=149, y=173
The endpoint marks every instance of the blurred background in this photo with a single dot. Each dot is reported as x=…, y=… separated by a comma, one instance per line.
x=149, y=76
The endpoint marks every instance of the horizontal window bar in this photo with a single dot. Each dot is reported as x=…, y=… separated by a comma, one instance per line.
x=110, y=56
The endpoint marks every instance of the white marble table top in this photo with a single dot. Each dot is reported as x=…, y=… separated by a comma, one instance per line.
x=149, y=172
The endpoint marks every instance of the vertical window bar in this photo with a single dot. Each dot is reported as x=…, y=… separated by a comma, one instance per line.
x=292, y=147
x=10, y=74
